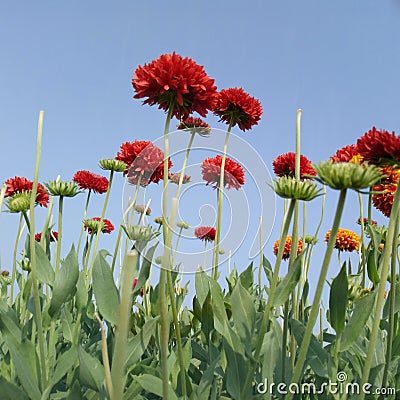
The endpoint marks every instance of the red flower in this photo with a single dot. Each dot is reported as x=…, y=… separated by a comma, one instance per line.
x=21, y=184
x=92, y=224
x=89, y=180
x=134, y=283
x=365, y=220
x=174, y=178
x=288, y=245
x=387, y=186
x=206, y=233
x=173, y=81
x=194, y=125
x=347, y=154
x=346, y=240
x=235, y=106
x=53, y=236
x=129, y=151
x=233, y=172
x=285, y=164
x=148, y=166
x=379, y=147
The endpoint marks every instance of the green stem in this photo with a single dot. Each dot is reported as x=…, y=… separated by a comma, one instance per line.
x=124, y=314
x=361, y=250
x=164, y=322
x=96, y=243
x=14, y=264
x=315, y=307
x=260, y=267
x=35, y=285
x=59, y=227
x=84, y=217
x=176, y=246
x=220, y=189
x=271, y=294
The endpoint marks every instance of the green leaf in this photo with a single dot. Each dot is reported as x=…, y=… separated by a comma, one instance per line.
x=207, y=320
x=243, y=314
x=144, y=271
x=236, y=369
x=44, y=270
x=65, y=282
x=64, y=363
x=246, y=277
x=91, y=371
x=9, y=324
x=105, y=291
x=9, y=391
x=288, y=283
x=153, y=384
x=206, y=381
x=202, y=286
x=81, y=295
x=338, y=300
x=218, y=306
x=267, y=269
x=67, y=325
x=25, y=361
x=138, y=344
x=317, y=357
x=362, y=311
x=372, y=267
x=386, y=308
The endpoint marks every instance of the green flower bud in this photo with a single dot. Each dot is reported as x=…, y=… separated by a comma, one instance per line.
x=182, y=225
x=221, y=251
x=140, y=233
x=347, y=175
x=110, y=164
x=158, y=260
x=20, y=202
x=310, y=239
x=159, y=220
x=290, y=188
x=62, y=188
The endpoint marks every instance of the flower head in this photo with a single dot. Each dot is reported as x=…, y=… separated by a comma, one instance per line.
x=148, y=166
x=90, y=181
x=62, y=188
x=195, y=125
x=140, y=209
x=379, y=147
x=128, y=152
x=19, y=202
x=346, y=175
x=140, y=233
x=366, y=222
x=175, y=83
x=21, y=184
x=233, y=172
x=53, y=236
x=109, y=164
x=285, y=164
x=174, y=178
x=346, y=240
x=288, y=245
x=347, y=154
x=182, y=225
x=92, y=225
x=290, y=188
x=384, y=190
x=205, y=233
x=236, y=107
x=159, y=220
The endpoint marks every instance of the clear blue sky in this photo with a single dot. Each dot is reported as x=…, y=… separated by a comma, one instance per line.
x=338, y=61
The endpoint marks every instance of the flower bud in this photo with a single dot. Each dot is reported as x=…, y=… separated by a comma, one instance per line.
x=182, y=225
x=140, y=233
x=20, y=202
x=112, y=165
x=62, y=188
x=290, y=188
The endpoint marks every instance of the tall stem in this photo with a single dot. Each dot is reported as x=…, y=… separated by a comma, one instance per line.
x=271, y=294
x=35, y=284
x=220, y=189
x=82, y=225
x=59, y=227
x=394, y=215
x=164, y=322
x=321, y=281
x=14, y=264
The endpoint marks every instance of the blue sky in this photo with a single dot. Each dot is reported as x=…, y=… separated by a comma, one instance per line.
x=338, y=61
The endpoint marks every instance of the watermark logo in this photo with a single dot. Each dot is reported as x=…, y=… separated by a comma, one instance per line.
x=340, y=386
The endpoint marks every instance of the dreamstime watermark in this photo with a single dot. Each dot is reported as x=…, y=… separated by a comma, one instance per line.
x=340, y=386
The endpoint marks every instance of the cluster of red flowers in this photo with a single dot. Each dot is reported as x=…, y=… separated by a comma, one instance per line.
x=21, y=184
x=53, y=236
x=346, y=240
x=90, y=181
x=384, y=191
x=176, y=84
x=195, y=125
x=347, y=154
x=288, y=245
x=233, y=172
x=144, y=160
x=285, y=165
x=206, y=233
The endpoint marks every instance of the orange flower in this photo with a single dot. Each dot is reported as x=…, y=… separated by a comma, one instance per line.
x=288, y=245
x=346, y=240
